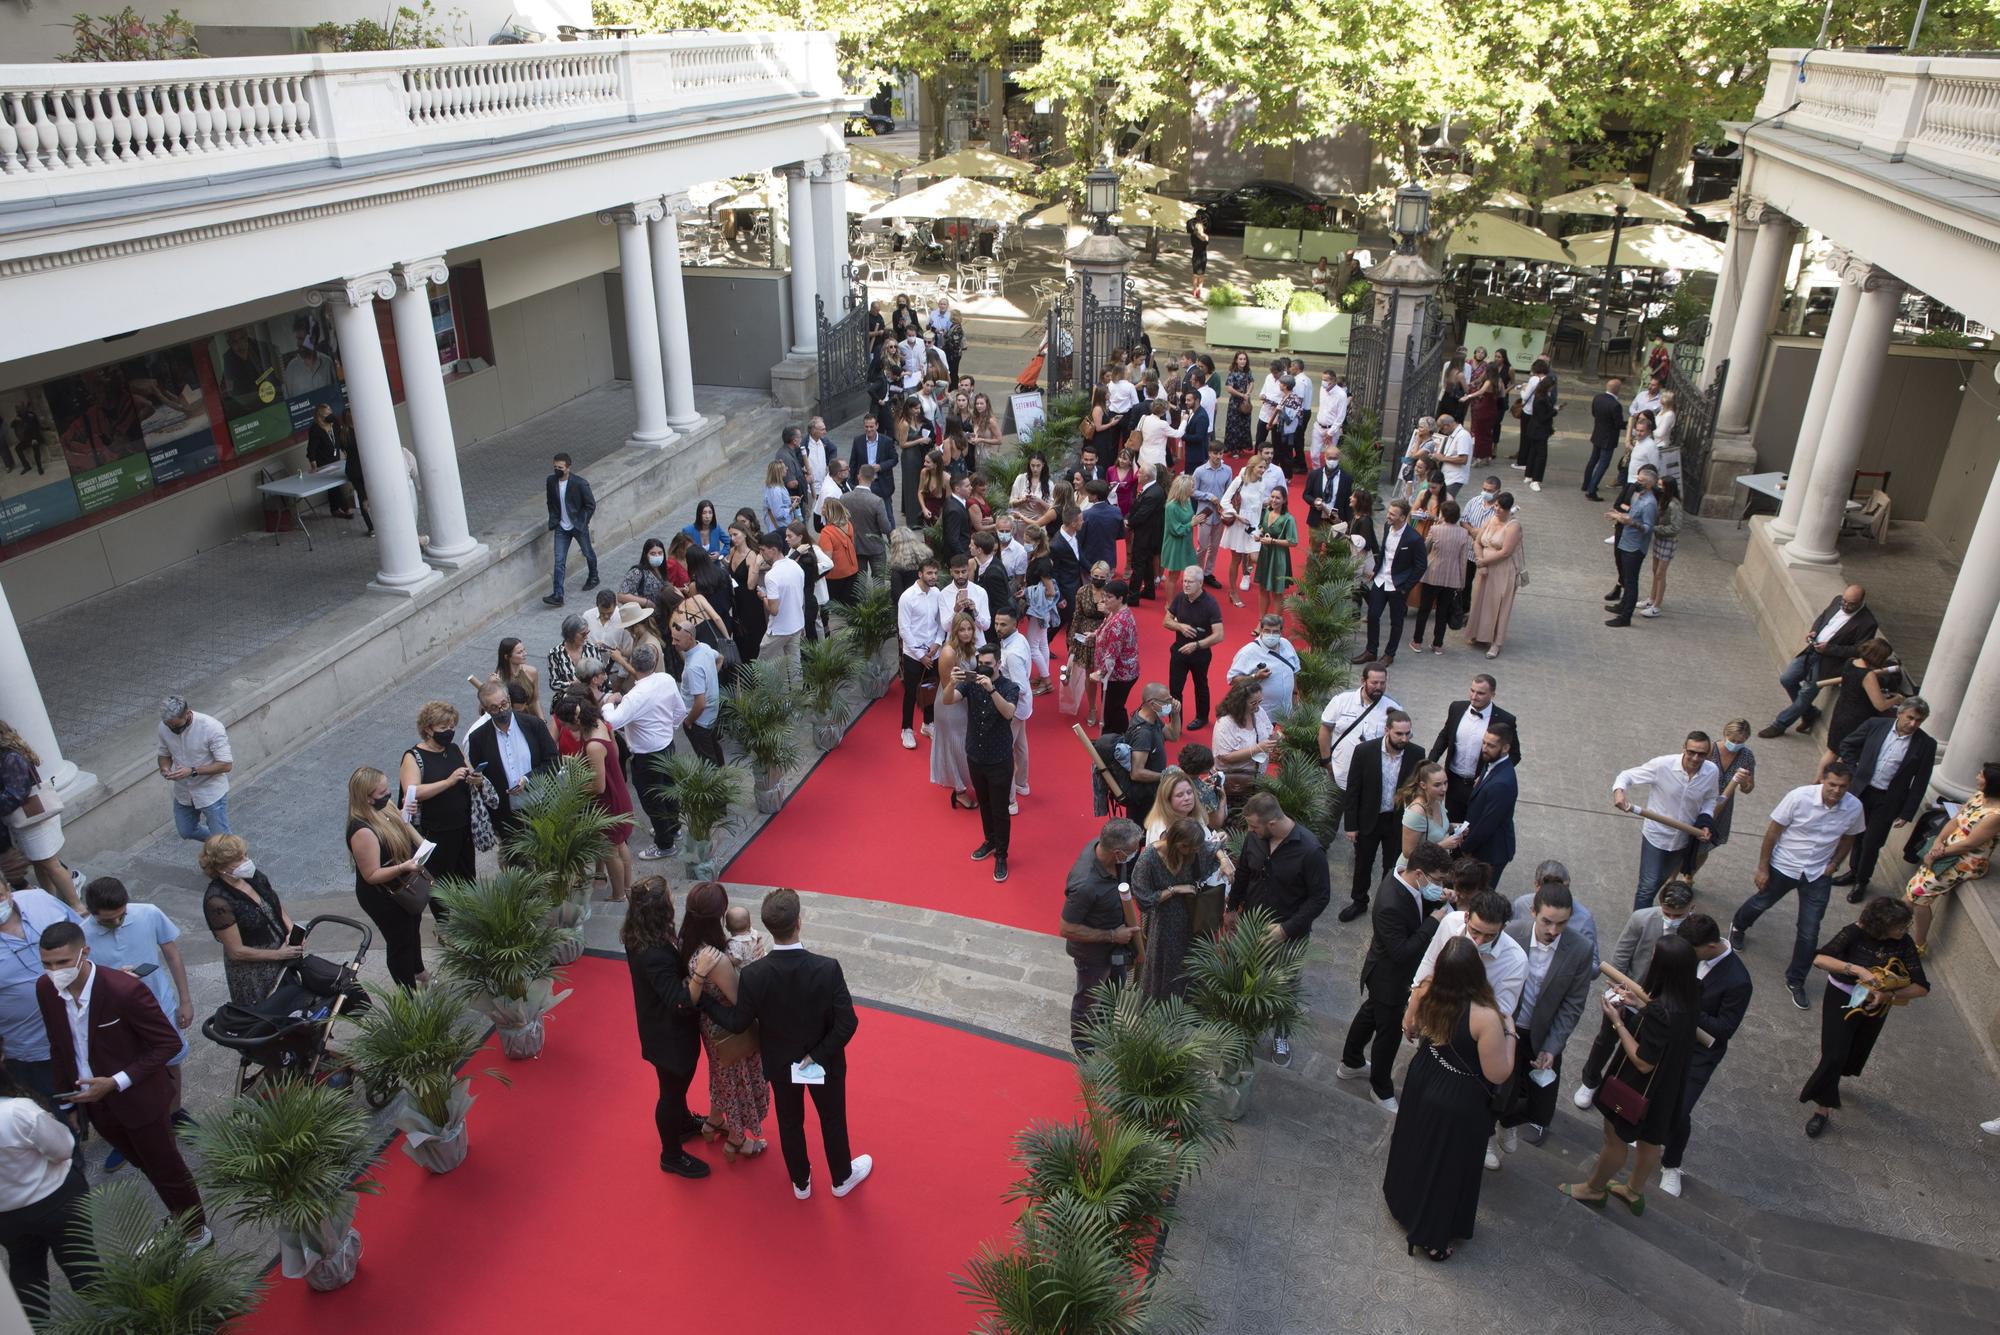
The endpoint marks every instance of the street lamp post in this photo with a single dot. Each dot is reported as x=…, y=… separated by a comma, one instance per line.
x=1100, y=192
x=1411, y=220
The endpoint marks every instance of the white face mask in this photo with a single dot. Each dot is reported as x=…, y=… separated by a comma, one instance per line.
x=655, y=560
x=63, y=978
x=1486, y=947
x=1166, y=708
x=1669, y=924
x=244, y=870
x=1269, y=641
x=7, y=910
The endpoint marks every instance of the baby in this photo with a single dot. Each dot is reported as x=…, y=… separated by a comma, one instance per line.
x=744, y=943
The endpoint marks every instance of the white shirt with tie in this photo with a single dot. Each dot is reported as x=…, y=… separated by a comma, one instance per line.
x=1466, y=741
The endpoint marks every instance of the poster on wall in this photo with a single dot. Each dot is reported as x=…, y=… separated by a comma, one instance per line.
x=99, y=419
x=272, y=374
x=35, y=488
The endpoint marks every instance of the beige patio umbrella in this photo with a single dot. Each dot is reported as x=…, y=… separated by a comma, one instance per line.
x=1499, y=199
x=973, y=162
x=1716, y=210
x=1495, y=237
x=711, y=192
x=760, y=198
x=1142, y=211
x=877, y=161
x=1142, y=173
x=1649, y=246
x=1622, y=202
x=955, y=197
x=862, y=197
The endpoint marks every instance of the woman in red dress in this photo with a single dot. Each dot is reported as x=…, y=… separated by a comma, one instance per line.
x=580, y=730
x=1482, y=411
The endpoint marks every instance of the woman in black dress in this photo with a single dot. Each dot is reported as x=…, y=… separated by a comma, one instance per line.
x=1237, y=409
x=1878, y=940
x=1451, y=403
x=1865, y=693
x=382, y=845
x=246, y=919
x=1437, y=1152
x=435, y=771
x=1655, y=1047
x=666, y=999
x=351, y=447
x=746, y=565
x=1170, y=872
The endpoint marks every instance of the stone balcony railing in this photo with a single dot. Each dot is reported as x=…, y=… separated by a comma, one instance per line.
x=78, y=130
x=1941, y=110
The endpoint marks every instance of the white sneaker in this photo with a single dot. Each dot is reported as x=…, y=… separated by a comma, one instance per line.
x=804, y=1193
x=925, y=730
x=864, y=1164
x=1649, y=611
x=1342, y=1071
x=1534, y=486
x=1021, y=790
x=1608, y=541
x=1389, y=1104
x=1645, y=603
x=1510, y=1140
x=1670, y=1181
x=1013, y=808
x=1991, y=1128
x=1518, y=467
x=1584, y=1096
x=1244, y=584
x=1492, y=1158
x=909, y=740
x=652, y=853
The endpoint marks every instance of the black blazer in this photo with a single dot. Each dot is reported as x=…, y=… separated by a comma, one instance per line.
x=1364, y=775
x=885, y=463
x=669, y=1029
x=1448, y=735
x=799, y=1001
x=1332, y=485
x=957, y=521
x=482, y=752
x=1148, y=520
x=999, y=590
x=1863, y=748
x=1102, y=528
x=1845, y=644
x=1402, y=933
x=1725, y=999
x=582, y=502
x=1489, y=816
x=1410, y=559
x=1068, y=565
x=1607, y=420
x=1195, y=432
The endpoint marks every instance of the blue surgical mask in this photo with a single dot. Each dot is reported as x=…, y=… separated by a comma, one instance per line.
x=1486, y=947
x=1433, y=894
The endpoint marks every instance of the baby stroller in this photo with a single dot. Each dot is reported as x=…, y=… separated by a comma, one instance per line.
x=287, y=1033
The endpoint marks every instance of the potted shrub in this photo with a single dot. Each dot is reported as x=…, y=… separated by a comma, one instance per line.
x=1313, y=325
x=870, y=624
x=562, y=834
x=1272, y=232
x=1325, y=613
x=757, y=716
x=415, y=1040
x=827, y=667
x=1304, y=788
x=289, y=1158
x=1233, y=321
x=499, y=942
x=146, y=1277
x=1064, y=1270
x=705, y=792
x=1153, y=1063
x=1122, y=1172
x=1253, y=985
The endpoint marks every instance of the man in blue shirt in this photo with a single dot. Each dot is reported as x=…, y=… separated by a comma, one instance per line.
x=127, y=936
x=25, y=1039
x=1211, y=481
x=701, y=688
x=1635, y=539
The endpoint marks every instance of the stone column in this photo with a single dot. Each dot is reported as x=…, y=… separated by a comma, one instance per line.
x=1846, y=420
x=1975, y=736
x=642, y=323
x=1968, y=620
x=1826, y=379
x=352, y=306
x=1101, y=264
x=432, y=439
x=22, y=709
x=805, y=279
x=1728, y=295
x=1751, y=329
x=1403, y=283
x=670, y=300
x=829, y=201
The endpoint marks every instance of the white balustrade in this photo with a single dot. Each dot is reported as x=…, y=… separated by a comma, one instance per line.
x=103, y=123
x=1942, y=110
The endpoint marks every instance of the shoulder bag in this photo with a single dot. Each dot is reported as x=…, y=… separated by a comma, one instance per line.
x=42, y=802
x=411, y=891
x=1616, y=1095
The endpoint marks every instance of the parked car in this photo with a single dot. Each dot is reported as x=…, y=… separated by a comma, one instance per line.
x=863, y=124
x=1229, y=210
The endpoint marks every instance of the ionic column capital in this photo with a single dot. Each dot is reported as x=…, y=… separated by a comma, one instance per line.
x=360, y=290
x=1865, y=275
x=678, y=203
x=796, y=171
x=417, y=275
x=639, y=211
x=1757, y=212
x=832, y=167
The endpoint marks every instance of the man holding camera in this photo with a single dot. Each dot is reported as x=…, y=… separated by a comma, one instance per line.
x=990, y=697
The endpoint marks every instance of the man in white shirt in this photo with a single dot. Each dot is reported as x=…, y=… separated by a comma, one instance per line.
x=816, y=449
x=1013, y=551
x=1271, y=659
x=919, y=636
x=1812, y=830
x=1331, y=418
x=915, y=358
x=1353, y=717
x=1270, y=398
x=1681, y=788
x=1484, y=923
x=647, y=715
x=1646, y=400
x=194, y=756
x=961, y=595
x=1455, y=454
x=1206, y=391
x=1017, y=665
x=784, y=593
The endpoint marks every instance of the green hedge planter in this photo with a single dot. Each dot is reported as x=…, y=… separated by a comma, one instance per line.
x=1522, y=345
x=1244, y=327
x=1320, y=331
x=1330, y=246
x=1270, y=243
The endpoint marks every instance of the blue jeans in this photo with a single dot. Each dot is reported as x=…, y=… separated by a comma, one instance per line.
x=1655, y=866
x=1813, y=895
x=1600, y=460
x=1800, y=680
x=562, y=537
x=190, y=820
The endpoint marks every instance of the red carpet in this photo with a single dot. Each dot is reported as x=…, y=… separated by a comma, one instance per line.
x=831, y=836
x=559, y=1219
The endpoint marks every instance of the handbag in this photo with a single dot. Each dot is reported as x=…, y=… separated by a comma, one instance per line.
x=411, y=891
x=733, y=1048
x=1617, y=1097
x=927, y=689
x=42, y=802
x=1924, y=832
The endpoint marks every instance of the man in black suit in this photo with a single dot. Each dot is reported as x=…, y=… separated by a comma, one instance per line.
x=509, y=747
x=1458, y=742
x=1066, y=557
x=1399, y=564
x=957, y=519
x=664, y=1002
x=571, y=504
x=1374, y=825
x=1489, y=816
x=1088, y=467
x=872, y=447
x=1725, y=999
x=798, y=479
x=1408, y=907
x=991, y=575
x=1195, y=432
x=1892, y=760
x=1329, y=494
x=1607, y=429
x=1835, y=637
x=805, y=1020
x=1103, y=526
x=1146, y=528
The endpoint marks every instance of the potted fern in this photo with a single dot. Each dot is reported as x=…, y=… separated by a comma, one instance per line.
x=1251, y=984
x=562, y=834
x=705, y=792
x=1152, y=1063
x=416, y=1040
x=146, y=1278
x=499, y=942
x=827, y=667
x=1065, y=1270
x=757, y=716
x=289, y=1157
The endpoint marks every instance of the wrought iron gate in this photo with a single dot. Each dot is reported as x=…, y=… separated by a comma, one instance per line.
x=1368, y=365
x=1108, y=328
x=1423, y=370
x=1059, y=344
x=1694, y=423
x=843, y=357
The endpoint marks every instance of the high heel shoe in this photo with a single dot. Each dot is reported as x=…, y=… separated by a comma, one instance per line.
x=710, y=1129
x=964, y=806
x=1432, y=1252
x=742, y=1147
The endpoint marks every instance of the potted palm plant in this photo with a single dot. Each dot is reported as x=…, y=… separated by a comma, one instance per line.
x=757, y=716
x=827, y=667
x=705, y=792
x=289, y=1158
x=1065, y=1270
x=500, y=944
x=562, y=833
x=1251, y=984
x=1304, y=788
x=1153, y=1063
x=870, y=623
x=416, y=1040
x=146, y=1278
x=1123, y=1172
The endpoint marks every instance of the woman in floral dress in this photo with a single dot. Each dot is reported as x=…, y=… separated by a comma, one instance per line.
x=1962, y=851
x=738, y=1094
x=1236, y=416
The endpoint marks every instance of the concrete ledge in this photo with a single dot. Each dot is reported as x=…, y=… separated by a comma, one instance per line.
x=1965, y=957
x=795, y=383
x=1730, y=456
x=312, y=680
x=1785, y=598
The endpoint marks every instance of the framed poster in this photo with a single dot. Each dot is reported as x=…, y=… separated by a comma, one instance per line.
x=35, y=488
x=272, y=374
x=1028, y=412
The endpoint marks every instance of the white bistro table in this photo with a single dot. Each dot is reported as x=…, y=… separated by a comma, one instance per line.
x=298, y=491
x=1770, y=487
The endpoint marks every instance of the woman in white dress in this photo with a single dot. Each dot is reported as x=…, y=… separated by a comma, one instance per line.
x=1242, y=505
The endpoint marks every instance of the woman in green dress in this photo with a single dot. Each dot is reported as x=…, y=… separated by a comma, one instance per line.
x=1177, y=548
x=1276, y=535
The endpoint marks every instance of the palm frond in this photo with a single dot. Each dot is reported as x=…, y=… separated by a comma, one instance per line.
x=499, y=938
x=286, y=1156
x=146, y=1278
x=1319, y=675
x=1154, y=1062
x=1304, y=788
x=1248, y=981
x=760, y=717
x=827, y=667
x=1123, y=1171
x=871, y=617
x=562, y=831
x=704, y=792
x=416, y=1038
x=1065, y=1274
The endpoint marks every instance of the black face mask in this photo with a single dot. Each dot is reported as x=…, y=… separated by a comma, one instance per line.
x=379, y=802
x=1096, y=581
x=443, y=736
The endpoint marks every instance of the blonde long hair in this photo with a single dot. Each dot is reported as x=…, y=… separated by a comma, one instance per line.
x=13, y=741
x=398, y=840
